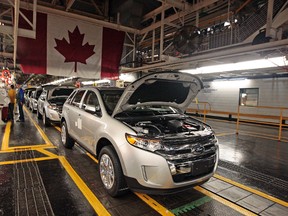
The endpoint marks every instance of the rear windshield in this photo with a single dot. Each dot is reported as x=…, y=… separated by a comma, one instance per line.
x=110, y=99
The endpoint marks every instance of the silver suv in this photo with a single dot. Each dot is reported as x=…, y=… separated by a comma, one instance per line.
x=34, y=98
x=50, y=103
x=141, y=136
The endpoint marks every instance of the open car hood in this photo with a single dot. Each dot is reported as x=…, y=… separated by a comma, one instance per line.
x=163, y=88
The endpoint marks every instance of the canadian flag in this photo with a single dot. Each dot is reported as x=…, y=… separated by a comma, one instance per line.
x=70, y=47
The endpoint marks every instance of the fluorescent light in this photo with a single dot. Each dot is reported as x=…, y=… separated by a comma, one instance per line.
x=246, y=65
x=56, y=82
x=92, y=82
x=227, y=23
x=127, y=77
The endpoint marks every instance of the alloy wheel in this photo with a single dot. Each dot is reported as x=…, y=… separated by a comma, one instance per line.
x=107, y=171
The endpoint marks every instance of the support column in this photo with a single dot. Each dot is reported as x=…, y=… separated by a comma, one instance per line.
x=15, y=32
x=269, y=18
x=162, y=32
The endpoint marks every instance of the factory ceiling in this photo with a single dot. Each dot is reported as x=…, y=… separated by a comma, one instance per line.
x=172, y=34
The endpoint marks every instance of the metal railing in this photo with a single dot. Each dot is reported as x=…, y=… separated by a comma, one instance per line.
x=238, y=33
x=279, y=120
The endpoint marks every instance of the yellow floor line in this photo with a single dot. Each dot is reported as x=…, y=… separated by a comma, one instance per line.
x=27, y=160
x=95, y=203
x=43, y=135
x=147, y=199
x=92, y=199
x=259, y=193
x=224, y=201
x=57, y=128
x=93, y=158
x=31, y=147
x=154, y=204
x=26, y=148
x=49, y=154
x=5, y=140
x=164, y=211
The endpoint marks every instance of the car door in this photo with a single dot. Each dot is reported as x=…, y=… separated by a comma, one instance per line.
x=91, y=120
x=41, y=100
x=73, y=115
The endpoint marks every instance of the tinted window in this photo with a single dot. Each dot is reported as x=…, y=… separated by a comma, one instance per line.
x=71, y=96
x=110, y=99
x=77, y=99
x=91, y=103
x=91, y=99
x=38, y=93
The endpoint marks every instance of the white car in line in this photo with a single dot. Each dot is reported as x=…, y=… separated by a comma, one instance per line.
x=141, y=136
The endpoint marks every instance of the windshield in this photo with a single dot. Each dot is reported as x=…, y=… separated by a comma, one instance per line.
x=110, y=99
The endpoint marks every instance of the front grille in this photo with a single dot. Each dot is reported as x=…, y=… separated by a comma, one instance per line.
x=188, y=139
x=192, y=156
x=185, y=149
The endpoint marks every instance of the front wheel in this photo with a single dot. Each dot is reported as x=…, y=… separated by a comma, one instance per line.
x=67, y=141
x=111, y=173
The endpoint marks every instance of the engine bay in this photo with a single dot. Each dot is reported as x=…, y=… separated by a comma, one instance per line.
x=157, y=126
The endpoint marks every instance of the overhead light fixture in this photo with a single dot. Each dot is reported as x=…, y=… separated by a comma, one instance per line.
x=227, y=23
x=92, y=82
x=57, y=82
x=245, y=65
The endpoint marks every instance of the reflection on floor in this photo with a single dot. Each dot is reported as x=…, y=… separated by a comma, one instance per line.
x=42, y=177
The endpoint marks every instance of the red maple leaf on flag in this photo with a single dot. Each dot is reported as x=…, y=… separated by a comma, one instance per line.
x=74, y=51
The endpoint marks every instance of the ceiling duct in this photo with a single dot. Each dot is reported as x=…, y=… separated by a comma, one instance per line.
x=187, y=39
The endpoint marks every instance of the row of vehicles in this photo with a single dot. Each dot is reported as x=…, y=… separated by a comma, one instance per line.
x=140, y=135
x=47, y=101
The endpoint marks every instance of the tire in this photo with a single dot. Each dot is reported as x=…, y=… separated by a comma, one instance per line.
x=111, y=173
x=67, y=141
x=45, y=119
x=39, y=116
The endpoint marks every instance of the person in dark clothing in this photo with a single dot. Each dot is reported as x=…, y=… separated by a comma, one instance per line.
x=12, y=97
x=20, y=102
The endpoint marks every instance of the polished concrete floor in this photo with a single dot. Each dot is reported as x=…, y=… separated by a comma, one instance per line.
x=40, y=177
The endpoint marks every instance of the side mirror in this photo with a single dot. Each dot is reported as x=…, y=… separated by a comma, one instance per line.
x=93, y=109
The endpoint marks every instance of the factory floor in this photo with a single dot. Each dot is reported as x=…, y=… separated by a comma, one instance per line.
x=38, y=176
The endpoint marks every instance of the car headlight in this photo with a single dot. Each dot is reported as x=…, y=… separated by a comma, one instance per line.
x=53, y=106
x=144, y=143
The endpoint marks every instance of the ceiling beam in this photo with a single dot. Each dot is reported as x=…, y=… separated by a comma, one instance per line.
x=155, y=12
x=96, y=7
x=115, y=26
x=69, y=4
x=178, y=4
x=176, y=16
x=226, y=52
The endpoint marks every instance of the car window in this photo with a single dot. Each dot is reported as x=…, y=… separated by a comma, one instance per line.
x=77, y=99
x=69, y=99
x=91, y=99
x=43, y=95
x=110, y=99
x=32, y=93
